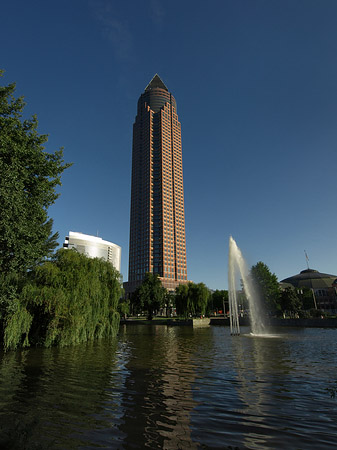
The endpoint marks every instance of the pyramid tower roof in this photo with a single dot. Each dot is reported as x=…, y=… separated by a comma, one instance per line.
x=156, y=82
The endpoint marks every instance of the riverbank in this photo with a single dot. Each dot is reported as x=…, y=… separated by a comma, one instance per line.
x=221, y=321
x=167, y=321
x=273, y=322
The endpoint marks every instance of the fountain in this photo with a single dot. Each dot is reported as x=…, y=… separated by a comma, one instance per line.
x=237, y=267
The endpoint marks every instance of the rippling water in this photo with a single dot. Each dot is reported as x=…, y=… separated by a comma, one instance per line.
x=174, y=388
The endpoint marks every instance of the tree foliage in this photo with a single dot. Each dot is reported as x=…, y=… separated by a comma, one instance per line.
x=306, y=296
x=200, y=295
x=68, y=300
x=150, y=295
x=182, y=300
x=267, y=286
x=28, y=180
x=290, y=301
x=192, y=299
x=124, y=307
x=219, y=301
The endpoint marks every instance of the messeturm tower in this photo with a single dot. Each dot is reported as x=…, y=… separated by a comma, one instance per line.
x=157, y=219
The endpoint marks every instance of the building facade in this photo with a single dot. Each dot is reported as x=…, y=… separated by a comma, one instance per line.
x=322, y=285
x=157, y=216
x=94, y=247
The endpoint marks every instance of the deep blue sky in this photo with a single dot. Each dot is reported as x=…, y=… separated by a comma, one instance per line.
x=256, y=89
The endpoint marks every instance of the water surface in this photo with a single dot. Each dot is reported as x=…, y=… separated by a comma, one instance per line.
x=174, y=388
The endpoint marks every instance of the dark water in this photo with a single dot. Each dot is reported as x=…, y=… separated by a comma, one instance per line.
x=173, y=388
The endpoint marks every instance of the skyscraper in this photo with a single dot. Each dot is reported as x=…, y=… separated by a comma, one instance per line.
x=157, y=219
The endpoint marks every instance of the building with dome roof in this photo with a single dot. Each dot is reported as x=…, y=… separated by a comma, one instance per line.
x=322, y=285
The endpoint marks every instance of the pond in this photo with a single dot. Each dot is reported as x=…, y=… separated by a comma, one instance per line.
x=174, y=388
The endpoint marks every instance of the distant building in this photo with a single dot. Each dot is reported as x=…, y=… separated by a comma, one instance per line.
x=322, y=285
x=94, y=247
x=157, y=221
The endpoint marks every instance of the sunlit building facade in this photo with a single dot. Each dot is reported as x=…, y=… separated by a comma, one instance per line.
x=157, y=218
x=94, y=247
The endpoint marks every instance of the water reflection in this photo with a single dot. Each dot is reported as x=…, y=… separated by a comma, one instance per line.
x=258, y=359
x=54, y=396
x=173, y=388
x=277, y=396
x=159, y=400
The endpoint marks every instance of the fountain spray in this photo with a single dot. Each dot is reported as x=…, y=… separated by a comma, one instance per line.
x=237, y=265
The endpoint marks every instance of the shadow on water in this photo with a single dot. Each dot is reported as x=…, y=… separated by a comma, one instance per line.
x=52, y=397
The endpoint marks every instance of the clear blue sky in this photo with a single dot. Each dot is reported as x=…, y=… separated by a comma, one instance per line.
x=256, y=89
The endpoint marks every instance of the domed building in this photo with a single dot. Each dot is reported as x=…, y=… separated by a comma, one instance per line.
x=322, y=285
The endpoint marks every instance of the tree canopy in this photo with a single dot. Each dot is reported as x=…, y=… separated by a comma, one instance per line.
x=182, y=300
x=29, y=177
x=219, y=300
x=290, y=301
x=28, y=180
x=150, y=295
x=67, y=300
x=267, y=286
x=192, y=299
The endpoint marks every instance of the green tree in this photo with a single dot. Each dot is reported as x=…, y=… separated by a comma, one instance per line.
x=307, y=297
x=169, y=301
x=290, y=302
x=68, y=300
x=191, y=299
x=199, y=295
x=219, y=301
x=182, y=300
x=267, y=287
x=150, y=295
x=124, y=307
x=28, y=180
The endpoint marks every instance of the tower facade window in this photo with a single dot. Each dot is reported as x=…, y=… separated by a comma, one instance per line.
x=157, y=219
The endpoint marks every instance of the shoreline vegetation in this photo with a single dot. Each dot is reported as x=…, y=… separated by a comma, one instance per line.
x=326, y=322
x=68, y=300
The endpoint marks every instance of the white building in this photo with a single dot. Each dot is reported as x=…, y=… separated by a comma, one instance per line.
x=94, y=247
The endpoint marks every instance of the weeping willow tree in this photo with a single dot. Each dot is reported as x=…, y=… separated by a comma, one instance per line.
x=68, y=300
x=191, y=299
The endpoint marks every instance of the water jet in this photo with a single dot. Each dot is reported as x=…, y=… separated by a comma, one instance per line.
x=237, y=268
